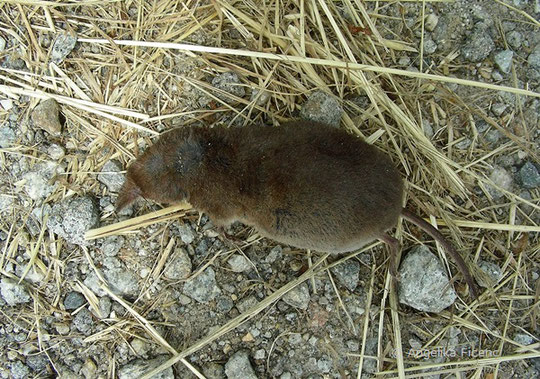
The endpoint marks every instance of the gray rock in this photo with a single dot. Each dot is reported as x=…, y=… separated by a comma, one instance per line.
x=347, y=273
x=431, y=22
x=46, y=116
x=427, y=128
x=324, y=364
x=493, y=271
x=137, y=368
x=514, y=39
x=246, y=303
x=523, y=339
x=274, y=254
x=186, y=234
x=83, y=321
x=498, y=108
x=38, y=182
x=424, y=284
x=73, y=300
x=224, y=304
x=501, y=178
x=429, y=46
x=322, y=107
x=6, y=204
x=239, y=263
x=239, y=367
x=72, y=218
x=2, y=44
x=105, y=306
x=298, y=297
x=122, y=281
x=213, y=370
x=503, y=60
x=110, y=175
x=56, y=152
x=19, y=370
x=13, y=292
x=478, y=46
x=37, y=362
x=7, y=137
x=260, y=354
x=492, y=136
x=230, y=83
x=89, y=369
x=529, y=176
x=534, y=58
x=63, y=45
x=202, y=288
x=463, y=144
x=111, y=245
x=179, y=266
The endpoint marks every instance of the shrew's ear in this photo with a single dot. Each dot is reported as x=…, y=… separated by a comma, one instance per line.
x=127, y=195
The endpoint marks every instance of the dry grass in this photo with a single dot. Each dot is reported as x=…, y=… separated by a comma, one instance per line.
x=127, y=80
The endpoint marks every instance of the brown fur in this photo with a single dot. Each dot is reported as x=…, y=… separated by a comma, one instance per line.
x=302, y=183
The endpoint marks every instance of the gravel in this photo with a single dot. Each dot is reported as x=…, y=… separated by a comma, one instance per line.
x=13, y=292
x=503, y=60
x=347, y=273
x=179, y=266
x=73, y=300
x=111, y=175
x=501, y=178
x=230, y=83
x=239, y=367
x=72, y=218
x=322, y=107
x=239, y=263
x=298, y=297
x=203, y=287
x=136, y=368
x=529, y=176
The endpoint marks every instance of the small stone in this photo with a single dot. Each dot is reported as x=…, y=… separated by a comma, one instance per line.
x=19, y=370
x=427, y=128
x=111, y=176
x=239, y=263
x=202, y=288
x=139, y=346
x=523, y=339
x=46, y=115
x=38, y=182
x=347, y=273
x=230, y=83
x=514, y=39
x=37, y=362
x=239, y=367
x=322, y=107
x=13, y=293
x=105, y=306
x=500, y=177
x=431, y=22
x=246, y=303
x=529, y=176
x=295, y=339
x=498, y=109
x=73, y=300
x=429, y=46
x=478, y=46
x=179, y=266
x=112, y=245
x=492, y=136
x=260, y=99
x=493, y=271
x=122, y=281
x=248, y=338
x=224, y=304
x=72, y=218
x=6, y=104
x=424, y=285
x=89, y=369
x=2, y=44
x=274, y=254
x=63, y=45
x=463, y=144
x=186, y=234
x=324, y=364
x=503, y=60
x=135, y=369
x=83, y=321
x=260, y=354
x=534, y=58
x=213, y=370
x=298, y=297
x=7, y=137
x=62, y=329
x=56, y=152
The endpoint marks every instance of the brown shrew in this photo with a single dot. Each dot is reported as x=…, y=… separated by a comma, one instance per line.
x=304, y=184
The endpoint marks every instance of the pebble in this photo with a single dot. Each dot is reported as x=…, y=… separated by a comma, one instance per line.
x=523, y=339
x=62, y=328
x=13, y=292
x=202, y=288
x=112, y=245
x=139, y=346
x=246, y=303
x=111, y=175
x=89, y=369
x=72, y=218
x=534, y=58
x=230, y=83
x=239, y=367
x=493, y=271
x=503, y=60
x=37, y=183
x=478, y=46
x=213, y=370
x=186, y=234
x=431, y=22
x=73, y=300
x=529, y=176
x=56, y=152
x=37, y=362
x=429, y=46
x=322, y=107
x=424, y=284
x=46, y=116
x=347, y=273
x=224, y=304
x=260, y=354
x=19, y=370
x=135, y=369
x=179, y=266
x=239, y=263
x=83, y=321
x=274, y=254
x=122, y=281
x=502, y=178
x=514, y=39
x=298, y=297
x=7, y=137
x=63, y=45
x=2, y=44
x=498, y=109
